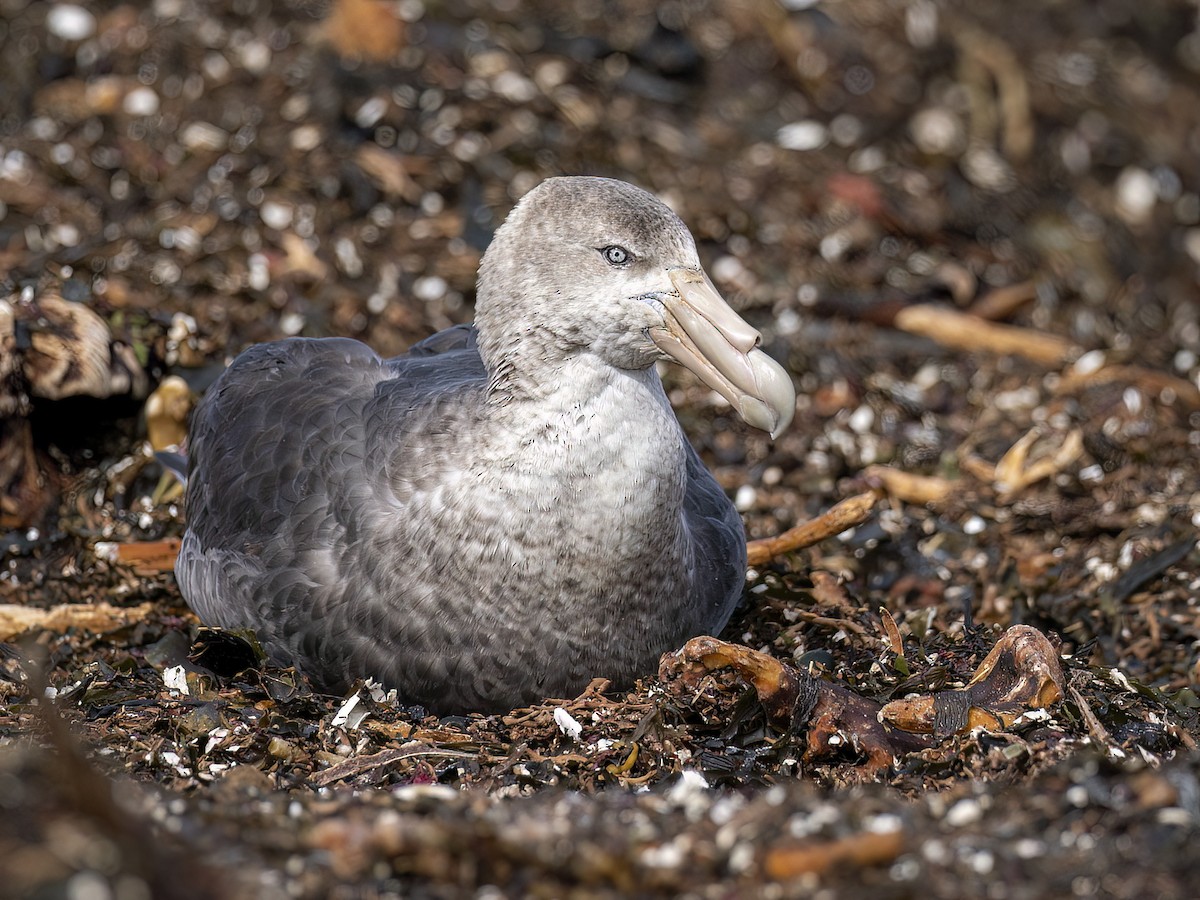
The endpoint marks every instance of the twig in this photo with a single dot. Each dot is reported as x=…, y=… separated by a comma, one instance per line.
x=982, y=53
x=850, y=512
x=1153, y=383
x=910, y=488
x=95, y=618
x=144, y=557
x=359, y=764
x=998, y=304
x=962, y=331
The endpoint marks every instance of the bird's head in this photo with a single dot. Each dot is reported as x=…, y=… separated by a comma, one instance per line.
x=596, y=265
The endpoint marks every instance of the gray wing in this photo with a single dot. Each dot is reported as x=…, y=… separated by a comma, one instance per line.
x=718, y=542
x=288, y=458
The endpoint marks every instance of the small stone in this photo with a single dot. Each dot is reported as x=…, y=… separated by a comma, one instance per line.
x=567, y=724
x=141, y=101
x=938, y=131
x=259, y=275
x=862, y=420
x=276, y=215
x=985, y=168
x=728, y=269
x=70, y=22
x=347, y=257
x=369, y=114
x=1137, y=193
x=203, y=136
x=804, y=135
x=255, y=57
x=514, y=88
x=306, y=137
x=974, y=525
x=175, y=679
x=291, y=323
x=965, y=812
x=1090, y=362
x=429, y=288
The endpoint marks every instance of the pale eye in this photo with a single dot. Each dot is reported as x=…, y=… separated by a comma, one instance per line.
x=616, y=256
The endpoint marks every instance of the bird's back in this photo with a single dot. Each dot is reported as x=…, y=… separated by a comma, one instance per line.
x=287, y=460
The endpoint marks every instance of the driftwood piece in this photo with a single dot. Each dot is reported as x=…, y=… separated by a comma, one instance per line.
x=1021, y=673
x=16, y=619
x=963, y=331
x=1016, y=470
x=1151, y=382
x=908, y=487
x=850, y=512
x=794, y=858
x=1000, y=303
x=144, y=557
x=833, y=717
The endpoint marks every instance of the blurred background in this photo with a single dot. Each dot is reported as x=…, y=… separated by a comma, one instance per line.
x=970, y=230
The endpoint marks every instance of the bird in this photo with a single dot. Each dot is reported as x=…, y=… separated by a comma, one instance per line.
x=510, y=509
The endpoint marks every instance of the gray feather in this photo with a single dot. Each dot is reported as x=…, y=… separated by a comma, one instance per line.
x=475, y=547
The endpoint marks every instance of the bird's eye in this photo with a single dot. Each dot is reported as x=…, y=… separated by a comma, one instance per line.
x=616, y=256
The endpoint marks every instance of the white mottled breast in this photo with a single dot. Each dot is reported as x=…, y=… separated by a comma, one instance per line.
x=600, y=459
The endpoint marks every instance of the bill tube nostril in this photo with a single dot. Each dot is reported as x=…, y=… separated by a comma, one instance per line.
x=702, y=333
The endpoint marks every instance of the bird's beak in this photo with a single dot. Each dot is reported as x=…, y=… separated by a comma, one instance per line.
x=702, y=333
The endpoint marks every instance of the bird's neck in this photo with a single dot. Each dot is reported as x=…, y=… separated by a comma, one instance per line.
x=528, y=361
x=580, y=400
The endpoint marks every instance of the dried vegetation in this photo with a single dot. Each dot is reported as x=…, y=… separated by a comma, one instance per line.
x=972, y=233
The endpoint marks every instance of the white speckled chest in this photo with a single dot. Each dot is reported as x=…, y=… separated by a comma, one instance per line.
x=603, y=491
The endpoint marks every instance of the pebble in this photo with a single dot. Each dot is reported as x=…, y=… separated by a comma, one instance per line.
x=347, y=257
x=429, y=288
x=862, y=420
x=745, y=498
x=255, y=56
x=567, y=724
x=1090, y=362
x=1137, y=193
x=90, y=885
x=938, y=131
x=70, y=22
x=306, y=137
x=216, y=67
x=921, y=23
x=983, y=861
x=514, y=88
x=369, y=114
x=275, y=215
x=291, y=323
x=807, y=134
x=728, y=269
x=175, y=679
x=987, y=169
x=259, y=275
x=141, y=101
x=203, y=136
x=1028, y=848
x=965, y=812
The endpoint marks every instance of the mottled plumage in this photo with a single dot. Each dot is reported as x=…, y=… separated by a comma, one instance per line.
x=503, y=513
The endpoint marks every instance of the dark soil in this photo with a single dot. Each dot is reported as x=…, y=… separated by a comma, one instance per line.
x=207, y=175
